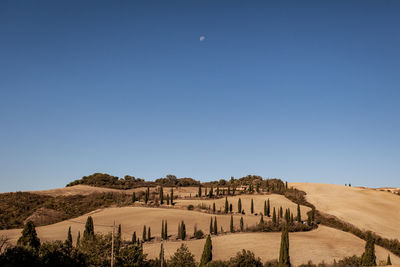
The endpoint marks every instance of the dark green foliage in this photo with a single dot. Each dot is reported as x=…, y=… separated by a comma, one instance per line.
x=217, y=193
x=215, y=226
x=274, y=221
x=162, y=229
x=134, y=238
x=239, y=205
x=214, y=210
x=166, y=230
x=268, y=209
x=280, y=212
x=161, y=195
x=133, y=197
x=265, y=208
x=78, y=239
x=241, y=224
x=131, y=255
x=88, y=233
x=172, y=197
x=230, y=208
x=231, y=225
x=182, y=231
x=167, y=199
x=29, y=237
x=144, y=235
x=284, y=258
x=368, y=258
x=199, y=193
x=388, y=262
x=298, y=213
x=226, y=205
x=198, y=234
x=68, y=241
x=252, y=207
x=118, y=240
x=245, y=258
x=210, y=195
x=58, y=254
x=147, y=195
x=182, y=258
x=262, y=219
x=207, y=252
x=19, y=256
x=211, y=226
x=149, y=234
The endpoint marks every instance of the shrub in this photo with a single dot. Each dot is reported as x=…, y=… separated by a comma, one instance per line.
x=190, y=207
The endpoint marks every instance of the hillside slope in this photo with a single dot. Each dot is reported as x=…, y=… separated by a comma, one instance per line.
x=368, y=209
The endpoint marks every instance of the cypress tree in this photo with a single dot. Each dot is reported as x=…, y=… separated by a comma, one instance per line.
x=206, y=256
x=229, y=190
x=291, y=219
x=205, y=191
x=146, y=195
x=265, y=207
x=161, y=195
x=134, y=238
x=183, y=230
x=211, y=192
x=29, y=237
x=230, y=207
x=133, y=197
x=199, y=193
x=241, y=224
x=211, y=226
x=217, y=193
x=149, y=234
x=226, y=205
x=215, y=226
x=298, y=213
x=88, y=234
x=231, y=224
x=78, y=239
x=284, y=258
x=166, y=230
x=262, y=220
x=168, y=199
x=68, y=241
x=368, y=258
x=280, y=212
x=172, y=196
x=287, y=215
x=214, y=207
x=162, y=258
x=240, y=205
x=268, y=209
x=118, y=239
x=252, y=207
x=274, y=217
x=144, y=233
x=388, y=262
x=162, y=230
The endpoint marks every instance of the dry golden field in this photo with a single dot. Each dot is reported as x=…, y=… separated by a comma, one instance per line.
x=321, y=244
x=368, y=209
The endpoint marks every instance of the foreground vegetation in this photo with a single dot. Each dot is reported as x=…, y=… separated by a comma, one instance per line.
x=99, y=250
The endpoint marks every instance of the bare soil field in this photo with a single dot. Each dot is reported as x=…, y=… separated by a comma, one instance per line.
x=368, y=209
x=321, y=244
x=276, y=201
x=133, y=219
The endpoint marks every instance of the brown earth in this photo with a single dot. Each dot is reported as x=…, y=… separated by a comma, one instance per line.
x=368, y=209
x=321, y=244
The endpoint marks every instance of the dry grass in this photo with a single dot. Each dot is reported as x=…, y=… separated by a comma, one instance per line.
x=368, y=209
x=133, y=219
x=322, y=244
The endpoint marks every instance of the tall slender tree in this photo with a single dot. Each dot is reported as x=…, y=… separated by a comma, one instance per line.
x=252, y=207
x=231, y=225
x=268, y=209
x=214, y=209
x=241, y=224
x=274, y=221
x=211, y=226
x=206, y=256
x=162, y=230
x=149, y=234
x=226, y=205
x=78, y=239
x=298, y=213
x=172, y=197
x=368, y=258
x=88, y=233
x=284, y=258
x=215, y=226
x=166, y=230
x=133, y=197
x=144, y=235
x=68, y=241
x=265, y=208
x=388, y=262
x=240, y=205
x=199, y=193
x=134, y=238
x=147, y=195
x=161, y=195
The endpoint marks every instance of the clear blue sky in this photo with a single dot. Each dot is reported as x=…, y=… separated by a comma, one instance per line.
x=299, y=90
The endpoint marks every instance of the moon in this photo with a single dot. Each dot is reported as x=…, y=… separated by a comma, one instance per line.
x=202, y=38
